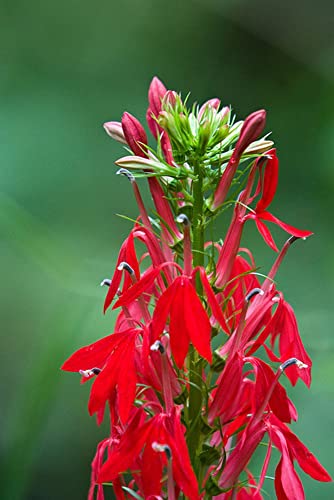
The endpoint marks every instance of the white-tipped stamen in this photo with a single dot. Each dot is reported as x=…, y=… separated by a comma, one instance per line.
x=293, y=361
x=89, y=373
x=252, y=293
x=126, y=266
x=105, y=282
x=162, y=448
x=127, y=173
x=157, y=346
x=183, y=219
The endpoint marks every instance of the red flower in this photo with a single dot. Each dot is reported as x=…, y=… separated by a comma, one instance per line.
x=114, y=356
x=162, y=429
x=188, y=320
x=251, y=129
x=269, y=186
x=287, y=483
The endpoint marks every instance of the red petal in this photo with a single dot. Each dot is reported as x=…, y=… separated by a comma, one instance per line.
x=270, y=180
x=179, y=334
x=130, y=445
x=90, y=356
x=182, y=470
x=266, y=234
x=197, y=321
x=228, y=392
x=162, y=309
x=138, y=288
x=213, y=303
x=299, y=233
x=290, y=481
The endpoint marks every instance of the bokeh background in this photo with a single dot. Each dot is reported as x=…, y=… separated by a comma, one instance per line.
x=68, y=66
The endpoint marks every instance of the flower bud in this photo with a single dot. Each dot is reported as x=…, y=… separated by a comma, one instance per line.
x=170, y=98
x=135, y=134
x=156, y=93
x=250, y=131
x=204, y=135
x=211, y=103
x=115, y=131
x=222, y=132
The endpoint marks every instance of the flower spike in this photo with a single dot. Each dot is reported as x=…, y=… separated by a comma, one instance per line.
x=185, y=420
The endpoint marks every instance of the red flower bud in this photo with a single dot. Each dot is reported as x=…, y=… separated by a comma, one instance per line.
x=135, y=134
x=250, y=131
x=156, y=92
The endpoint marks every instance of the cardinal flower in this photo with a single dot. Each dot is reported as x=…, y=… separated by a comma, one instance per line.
x=112, y=359
x=144, y=439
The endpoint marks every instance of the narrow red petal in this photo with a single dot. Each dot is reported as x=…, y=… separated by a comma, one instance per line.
x=299, y=233
x=90, y=356
x=270, y=181
x=197, y=321
x=266, y=234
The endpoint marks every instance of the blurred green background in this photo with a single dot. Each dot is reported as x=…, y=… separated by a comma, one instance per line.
x=68, y=66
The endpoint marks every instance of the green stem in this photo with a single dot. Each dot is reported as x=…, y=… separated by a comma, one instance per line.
x=195, y=362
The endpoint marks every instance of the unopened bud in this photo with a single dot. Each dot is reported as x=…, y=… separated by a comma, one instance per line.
x=115, y=131
x=135, y=134
x=250, y=131
x=259, y=147
x=170, y=99
x=204, y=134
x=211, y=103
x=156, y=92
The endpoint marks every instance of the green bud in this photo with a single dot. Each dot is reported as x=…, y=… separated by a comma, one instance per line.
x=184, y=125
x=220, y=135
x=167, y=121
x=204, y=135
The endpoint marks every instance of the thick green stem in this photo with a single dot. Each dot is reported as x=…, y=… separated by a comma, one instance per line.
x=195, y=362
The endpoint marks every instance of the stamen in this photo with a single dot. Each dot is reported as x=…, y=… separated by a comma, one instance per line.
x=157, y=346
x=162, y=448
x=183, y=219
x=127, y=173
x=254, y=292
x=89, y=373
x=187, y=254
x=127, y=267
x=292, y=361
x=105, y=282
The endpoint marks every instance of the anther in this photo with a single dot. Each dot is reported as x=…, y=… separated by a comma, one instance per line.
x=252, y=293
x=292, y=239
x=126, y=266
x=157, y=346
x=162, y=448
x=127, y=173
x=183, y=219
x=105, y=282
x=89, y=373
x=292, y=361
